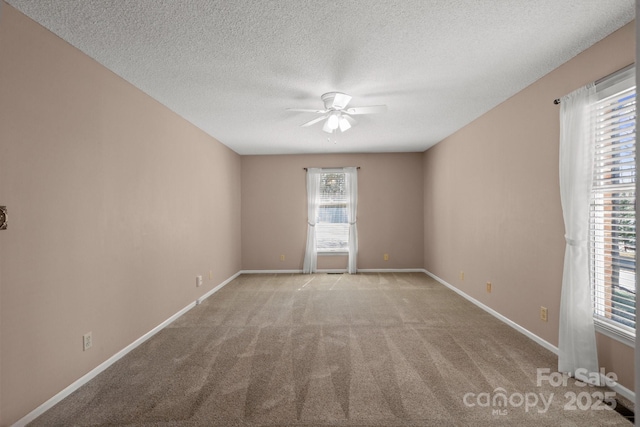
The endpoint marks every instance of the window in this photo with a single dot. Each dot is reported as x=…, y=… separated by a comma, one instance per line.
x=612, y=213
x=332, y=215
x=332, y=224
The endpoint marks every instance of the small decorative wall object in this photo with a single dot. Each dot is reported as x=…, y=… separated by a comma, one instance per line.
x=3, y=217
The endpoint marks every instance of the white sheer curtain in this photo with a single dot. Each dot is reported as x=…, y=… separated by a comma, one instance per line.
x=576, y=344
x=311, y=252
x=352, y=216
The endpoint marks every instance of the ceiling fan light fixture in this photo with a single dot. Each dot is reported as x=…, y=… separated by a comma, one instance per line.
x=344, y=124
x=333, y=122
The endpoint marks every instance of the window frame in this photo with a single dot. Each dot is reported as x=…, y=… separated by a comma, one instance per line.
x=343, y=250
x=606, y=88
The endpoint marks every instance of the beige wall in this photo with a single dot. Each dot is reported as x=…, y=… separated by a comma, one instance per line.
x=492, y=201
x=115, y=205
x=274, y=211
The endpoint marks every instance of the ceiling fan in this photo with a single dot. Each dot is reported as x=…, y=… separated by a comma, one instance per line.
x=336, y=114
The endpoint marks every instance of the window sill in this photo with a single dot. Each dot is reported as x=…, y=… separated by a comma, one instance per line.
x=333, y=253
x=614, y=333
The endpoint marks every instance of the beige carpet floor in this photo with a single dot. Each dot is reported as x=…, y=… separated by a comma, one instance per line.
x=333, y=350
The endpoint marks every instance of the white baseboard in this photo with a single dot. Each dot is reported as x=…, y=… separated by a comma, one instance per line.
x=391, y=270
x=342, y=270
x=622, y=390
x=328, y=270
x=270, y=271
x=113, y=359
x=618, y=388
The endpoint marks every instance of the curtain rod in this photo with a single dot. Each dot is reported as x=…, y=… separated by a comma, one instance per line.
x=601, y=79
x=338, y=167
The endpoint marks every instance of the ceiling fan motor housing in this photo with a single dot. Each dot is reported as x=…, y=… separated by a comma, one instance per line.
x=328, y=99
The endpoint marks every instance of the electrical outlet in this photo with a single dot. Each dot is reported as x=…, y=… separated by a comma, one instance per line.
x=198, y=281
x=87, y=341
x=462, y=275
x=281, y=257
x=489, y=287
x=210, y=274
x=544, y=314
x=385, y=257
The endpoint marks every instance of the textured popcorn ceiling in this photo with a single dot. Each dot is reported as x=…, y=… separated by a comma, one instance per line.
x=232, y=67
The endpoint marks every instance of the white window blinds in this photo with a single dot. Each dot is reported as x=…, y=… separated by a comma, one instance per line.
x=612, y=219
x=332, y=224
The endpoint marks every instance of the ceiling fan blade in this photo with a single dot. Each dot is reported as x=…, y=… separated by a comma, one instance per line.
x=351, y=120
x=304, y=110
x=340, y=101
x=314, y=121
x=367, y=110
